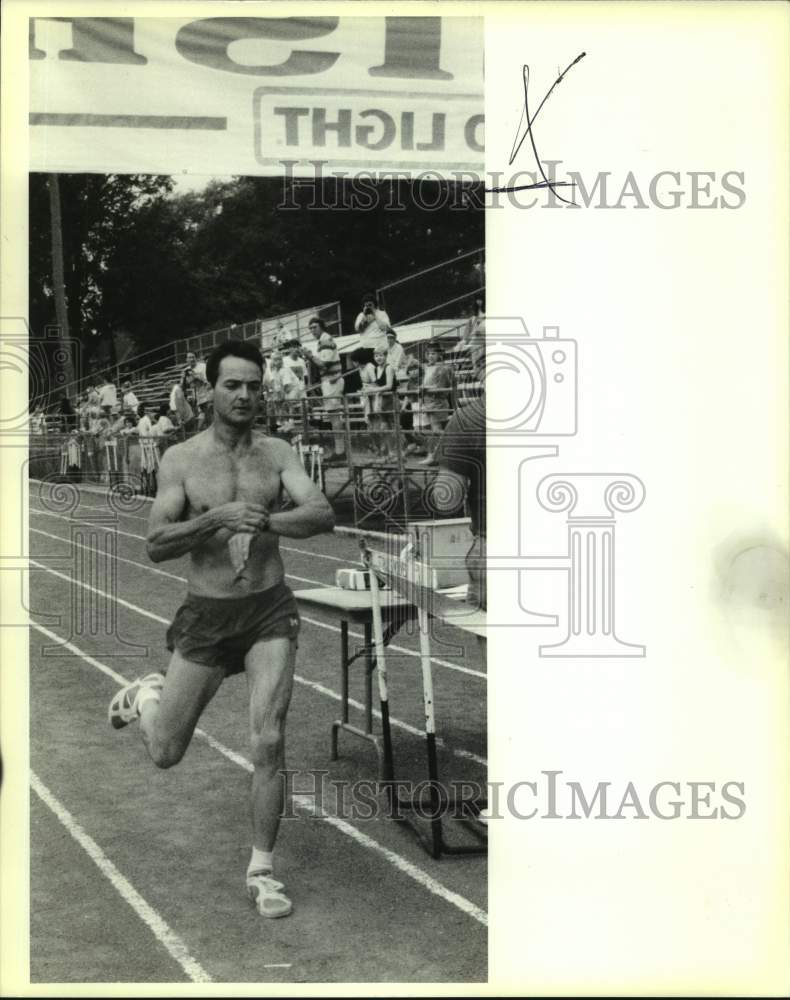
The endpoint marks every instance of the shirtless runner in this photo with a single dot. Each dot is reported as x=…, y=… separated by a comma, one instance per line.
x=219, y=500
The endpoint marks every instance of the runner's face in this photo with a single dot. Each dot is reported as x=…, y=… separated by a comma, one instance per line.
x=238, y=391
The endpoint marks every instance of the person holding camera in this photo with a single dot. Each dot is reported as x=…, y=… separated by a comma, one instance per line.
x=372, y=323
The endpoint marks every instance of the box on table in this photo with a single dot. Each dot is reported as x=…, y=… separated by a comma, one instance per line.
x=443, y=546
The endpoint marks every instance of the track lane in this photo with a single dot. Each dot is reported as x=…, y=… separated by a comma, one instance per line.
x=150, y=820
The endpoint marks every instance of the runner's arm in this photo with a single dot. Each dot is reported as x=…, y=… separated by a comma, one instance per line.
x=169, y=537
x=312, y=513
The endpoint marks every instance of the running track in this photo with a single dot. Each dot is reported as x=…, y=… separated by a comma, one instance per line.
x=137, y=874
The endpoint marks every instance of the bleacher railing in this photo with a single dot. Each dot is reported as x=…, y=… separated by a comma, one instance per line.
x=413, y=297
x=264, y=330
x=132, y=369
x=374, y=463
x=140, y=366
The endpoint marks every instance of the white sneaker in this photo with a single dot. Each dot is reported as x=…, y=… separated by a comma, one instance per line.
x=267, y=894
x=125, y=705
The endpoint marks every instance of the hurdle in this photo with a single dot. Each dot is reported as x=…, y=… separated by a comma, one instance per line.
x=413, y=581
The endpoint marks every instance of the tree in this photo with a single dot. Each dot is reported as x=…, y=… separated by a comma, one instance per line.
x=157, y=267
x=97, y=211
x=58, y=289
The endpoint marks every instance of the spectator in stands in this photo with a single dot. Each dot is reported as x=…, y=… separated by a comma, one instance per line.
x=316, y=326
x=409, y=408
x=38, y=421
x=352, y=380
x=295, y=360
x=461, y=453
x=180, y=406
x=124, y=428
x=94, y=436
x=372, y=324
x=437, y=381
x=284, y=338
x=74, y=448
x=326, y=360
x=194, y=384
x=280, y=386
x=164, y=427
x=145, y=427
x=67, y=416
x=396, y=356
x=83, y=408
x=317, y=329
x=129, y=427
x=117, y=425
x=108, y=396
x=130, y=402
x=93, y=394
x=378, y=383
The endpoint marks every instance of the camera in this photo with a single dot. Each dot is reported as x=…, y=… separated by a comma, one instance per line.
x=43, y=361
x=530, y=382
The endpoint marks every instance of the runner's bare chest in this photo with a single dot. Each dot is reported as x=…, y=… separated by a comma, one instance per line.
x=224, y=477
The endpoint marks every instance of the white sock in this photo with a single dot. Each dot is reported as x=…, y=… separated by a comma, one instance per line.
x=144, y=695
x=261, y=861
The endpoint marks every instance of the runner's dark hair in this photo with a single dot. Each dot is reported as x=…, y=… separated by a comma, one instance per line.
x=232, y=348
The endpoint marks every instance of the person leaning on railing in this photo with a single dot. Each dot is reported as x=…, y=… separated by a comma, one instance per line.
x=409, y=404
x=326, y=363
x=378, y=384
x=437, y=382
x=283, y=389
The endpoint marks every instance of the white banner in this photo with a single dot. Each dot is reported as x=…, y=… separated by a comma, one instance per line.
x=256, y=95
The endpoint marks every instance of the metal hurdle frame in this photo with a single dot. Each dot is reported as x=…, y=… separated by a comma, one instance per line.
x=404, y=809
x=149, y=464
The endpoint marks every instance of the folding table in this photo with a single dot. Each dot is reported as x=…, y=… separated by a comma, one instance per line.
x=383, y=612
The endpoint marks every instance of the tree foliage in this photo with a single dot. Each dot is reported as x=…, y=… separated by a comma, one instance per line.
x=148, y=266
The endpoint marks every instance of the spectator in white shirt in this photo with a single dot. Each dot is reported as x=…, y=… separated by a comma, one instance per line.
x=294, y=361
x=38, y=421
x=130, y=401
x=145, y=427
x=372, y=324
x=108, y=396
x=279, y=383
x=164, y=426
x=396, y=356
x=194, y=383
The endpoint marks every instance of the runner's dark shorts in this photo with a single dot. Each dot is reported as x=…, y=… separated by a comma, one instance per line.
x=220, y=631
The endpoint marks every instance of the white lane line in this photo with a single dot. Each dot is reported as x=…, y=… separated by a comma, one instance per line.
x=153, y=920
x=447, y=664
x=306, y=804
x=131, y=562
x=463, y=754
x=137, y=517
x=304, y=681
x=141, y=538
